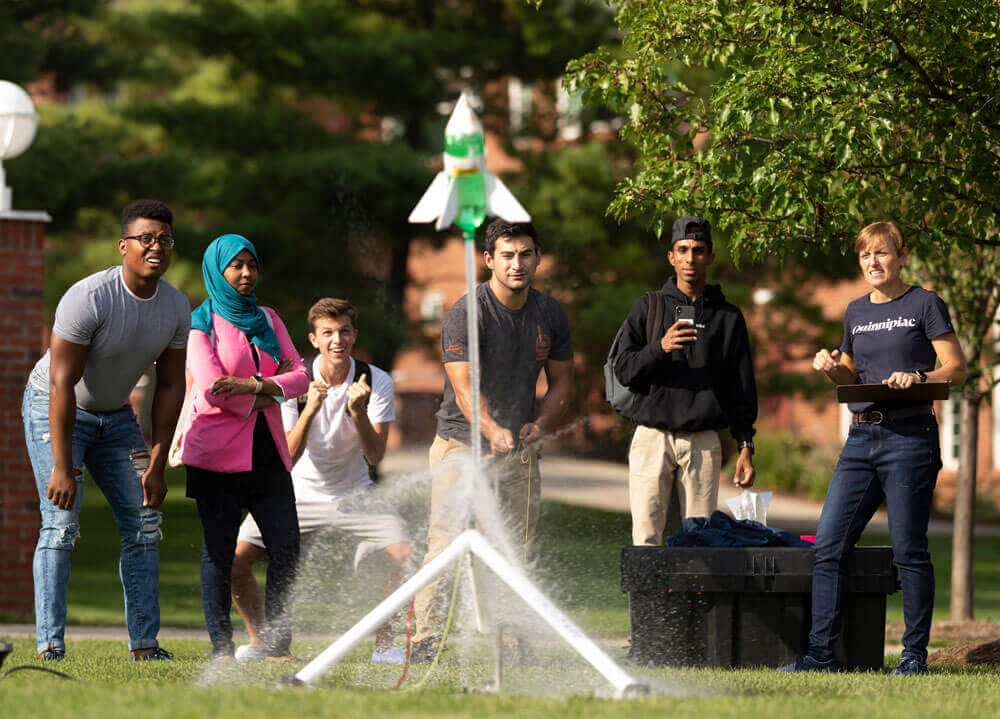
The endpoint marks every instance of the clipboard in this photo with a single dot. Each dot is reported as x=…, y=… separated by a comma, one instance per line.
x=923, y=392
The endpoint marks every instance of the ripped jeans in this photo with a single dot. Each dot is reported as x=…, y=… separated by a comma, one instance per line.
x=111, y=446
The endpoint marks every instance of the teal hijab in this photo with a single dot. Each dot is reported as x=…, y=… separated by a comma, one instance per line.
x=223, y=300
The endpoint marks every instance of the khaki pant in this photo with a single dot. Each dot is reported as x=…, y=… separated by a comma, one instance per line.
x=520, y=489
x=656, y=459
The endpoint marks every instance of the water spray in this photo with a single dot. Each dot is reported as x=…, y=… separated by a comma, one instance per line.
x=465, y=193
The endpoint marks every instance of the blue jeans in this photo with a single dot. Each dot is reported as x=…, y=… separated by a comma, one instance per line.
x=898, y=462
x=111, y=446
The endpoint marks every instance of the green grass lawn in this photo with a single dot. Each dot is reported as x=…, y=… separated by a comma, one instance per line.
x=191, y=686
x=577, y=566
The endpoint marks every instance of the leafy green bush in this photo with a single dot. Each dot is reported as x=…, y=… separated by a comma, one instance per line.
x=787, y=463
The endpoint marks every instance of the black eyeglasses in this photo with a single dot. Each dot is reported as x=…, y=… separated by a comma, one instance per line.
x=147, y=240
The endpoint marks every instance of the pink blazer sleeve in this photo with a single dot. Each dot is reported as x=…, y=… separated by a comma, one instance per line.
x=296, y=381
x=205, y=368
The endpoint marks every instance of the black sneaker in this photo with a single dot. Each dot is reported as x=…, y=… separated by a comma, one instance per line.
x=910, y=666
x=159, y=655
x=806, y=663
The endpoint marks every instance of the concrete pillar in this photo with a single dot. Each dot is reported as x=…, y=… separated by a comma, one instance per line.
x=22, y=235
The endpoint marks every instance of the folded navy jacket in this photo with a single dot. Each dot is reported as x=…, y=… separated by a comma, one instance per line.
x=721, y=530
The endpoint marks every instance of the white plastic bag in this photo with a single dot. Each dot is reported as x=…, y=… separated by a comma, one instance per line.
x=183, y=424
x=750, y=505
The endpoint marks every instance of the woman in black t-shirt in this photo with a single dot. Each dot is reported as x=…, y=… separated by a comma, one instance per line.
x=892, y=336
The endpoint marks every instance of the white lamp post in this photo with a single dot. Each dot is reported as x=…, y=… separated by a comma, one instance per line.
x=18, y=122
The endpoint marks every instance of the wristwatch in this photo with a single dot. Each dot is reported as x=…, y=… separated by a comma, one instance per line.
x=260, y=384
x=921, y=375
x=747, y=444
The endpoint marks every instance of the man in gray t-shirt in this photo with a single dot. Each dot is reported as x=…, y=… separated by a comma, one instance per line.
x=108, y=329
x=521, y=332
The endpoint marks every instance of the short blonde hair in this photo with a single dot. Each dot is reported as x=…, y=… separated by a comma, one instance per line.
x=888, y=231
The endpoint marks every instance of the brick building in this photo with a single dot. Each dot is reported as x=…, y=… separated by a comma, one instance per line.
x=22, y=236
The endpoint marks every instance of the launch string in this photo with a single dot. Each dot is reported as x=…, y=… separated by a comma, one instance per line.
x=472, y=332
x=447, y=627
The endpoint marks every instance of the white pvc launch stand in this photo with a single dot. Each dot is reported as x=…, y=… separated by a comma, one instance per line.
x=474, y=542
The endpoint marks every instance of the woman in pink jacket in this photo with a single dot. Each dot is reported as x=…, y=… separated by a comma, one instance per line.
x=243, y=364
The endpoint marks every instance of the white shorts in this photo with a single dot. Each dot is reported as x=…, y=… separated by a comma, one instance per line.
x=365, y=515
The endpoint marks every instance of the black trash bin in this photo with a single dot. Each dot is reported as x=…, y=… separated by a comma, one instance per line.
x=747, y=606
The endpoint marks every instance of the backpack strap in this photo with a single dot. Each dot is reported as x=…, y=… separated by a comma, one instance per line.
x=361, y=369
x=267, y=316
x=654, y=316
x=304, y=397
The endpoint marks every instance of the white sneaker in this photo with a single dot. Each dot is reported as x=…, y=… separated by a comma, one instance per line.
x=246, y=653
x=393, y=655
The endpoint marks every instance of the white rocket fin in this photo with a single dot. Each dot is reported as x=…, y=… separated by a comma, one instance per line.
x=500, y=202
x=433, y=202
x=450, y=208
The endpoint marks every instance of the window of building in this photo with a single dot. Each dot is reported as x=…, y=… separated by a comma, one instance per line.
x=570, y=109
x=432, y=307
x=518, y=105
x=950, y=425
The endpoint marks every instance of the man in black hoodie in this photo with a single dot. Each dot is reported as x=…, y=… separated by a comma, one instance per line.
x=695, y=380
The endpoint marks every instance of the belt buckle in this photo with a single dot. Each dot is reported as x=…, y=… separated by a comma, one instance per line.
x=871, y=415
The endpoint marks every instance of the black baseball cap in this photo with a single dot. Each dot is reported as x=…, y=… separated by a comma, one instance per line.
x=692, y=228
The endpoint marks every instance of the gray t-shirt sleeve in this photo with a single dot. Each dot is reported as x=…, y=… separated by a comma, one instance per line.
x=454, y=337
x=562, y=348
x=180, y=338
x=77, y=317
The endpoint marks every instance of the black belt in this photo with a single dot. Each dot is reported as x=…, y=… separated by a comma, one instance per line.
x=879, y=416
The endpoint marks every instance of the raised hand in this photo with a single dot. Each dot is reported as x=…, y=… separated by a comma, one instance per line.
x=679, y=336
x=316, y=395
x=357, y=396
x=826, y=361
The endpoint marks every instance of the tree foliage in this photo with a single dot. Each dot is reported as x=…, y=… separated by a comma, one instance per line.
x=310, y=126
x=48, y=38
x=826, y=115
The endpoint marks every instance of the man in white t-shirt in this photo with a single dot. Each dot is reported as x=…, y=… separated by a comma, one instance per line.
x=333, y=439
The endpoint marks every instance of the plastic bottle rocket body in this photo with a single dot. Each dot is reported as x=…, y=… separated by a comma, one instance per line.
x=465, y=192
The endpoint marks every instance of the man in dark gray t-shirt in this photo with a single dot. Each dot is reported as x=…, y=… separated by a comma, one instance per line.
x=514, y=346
x=521, y=332
x=109, y=327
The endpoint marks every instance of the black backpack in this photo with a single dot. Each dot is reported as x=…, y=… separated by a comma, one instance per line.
x=361, y=369
x=618, y=395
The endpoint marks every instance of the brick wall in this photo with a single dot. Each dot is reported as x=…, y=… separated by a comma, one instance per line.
x=21, y=278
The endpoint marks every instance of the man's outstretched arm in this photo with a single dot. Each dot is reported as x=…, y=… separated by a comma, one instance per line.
x=555, y=402
x=67, y=361
x=501, y=440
